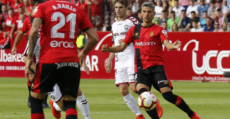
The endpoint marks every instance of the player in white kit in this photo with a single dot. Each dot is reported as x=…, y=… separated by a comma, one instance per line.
x=124, y=61
x=55, y=95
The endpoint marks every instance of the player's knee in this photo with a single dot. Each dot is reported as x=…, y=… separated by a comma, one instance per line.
x=141, y=91
x=124, y=91
x=169, y=96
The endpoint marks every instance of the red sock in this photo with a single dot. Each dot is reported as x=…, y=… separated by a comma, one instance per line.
x=71, y=113
x=37, y=116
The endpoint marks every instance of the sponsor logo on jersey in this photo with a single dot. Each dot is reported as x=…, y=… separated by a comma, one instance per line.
x=151, y=34
x=145, y=43
x=64, y=44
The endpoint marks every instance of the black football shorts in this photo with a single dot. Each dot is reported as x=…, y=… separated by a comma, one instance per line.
x=66, y=75
x=153, y=76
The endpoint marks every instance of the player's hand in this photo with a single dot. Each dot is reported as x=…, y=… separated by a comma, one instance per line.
x=85, y=68
x=108, y=67
x=11, y=36
x=177, y=44
x=105, y=48
x=27, y=68
x=81, y=57
x=14, y=50
x=120, y=41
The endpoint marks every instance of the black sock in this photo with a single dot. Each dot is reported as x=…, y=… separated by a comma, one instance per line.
x=29, y=89
x=70, y=109
x=152, y=113
x=178, y=101
x=36, y=109
x=45, y=100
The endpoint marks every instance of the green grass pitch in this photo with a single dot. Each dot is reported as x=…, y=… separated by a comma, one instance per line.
x=209, y=100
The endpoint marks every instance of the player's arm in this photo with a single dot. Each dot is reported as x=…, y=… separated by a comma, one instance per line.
x=108, y=66
x=128, y=39
x=119, y=48
x=171, y=46
x=33, y=36
x=83, y=65
x=16, y=42
x=92, y=41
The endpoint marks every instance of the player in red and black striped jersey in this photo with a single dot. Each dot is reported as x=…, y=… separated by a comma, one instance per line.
x=149, y=66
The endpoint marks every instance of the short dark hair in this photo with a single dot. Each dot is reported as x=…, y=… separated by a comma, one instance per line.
x=173, y=12
x=205, y=12
x=196, y=20
x=175, y=0
x=213, y=2
x=193, y=12
x=183, y=10
x=164, y=22
x=219, y=1
x=37, y=2
x=218, y=10
x=209, y=18
x=10, y=9
x=123, y=2
x=164, y=11
x=139, y=11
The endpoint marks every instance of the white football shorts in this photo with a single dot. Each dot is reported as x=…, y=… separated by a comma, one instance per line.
x=124, y=76
x=55, y=95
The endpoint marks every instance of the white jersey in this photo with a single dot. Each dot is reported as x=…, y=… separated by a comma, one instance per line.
x=36, y=50
x=119, y=30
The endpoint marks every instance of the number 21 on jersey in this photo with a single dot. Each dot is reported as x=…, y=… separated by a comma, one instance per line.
x=62, y=21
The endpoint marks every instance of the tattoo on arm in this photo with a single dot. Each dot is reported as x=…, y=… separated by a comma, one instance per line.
x=34, y=36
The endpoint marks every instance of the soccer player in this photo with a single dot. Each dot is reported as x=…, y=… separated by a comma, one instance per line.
x=124, y=61
x=25, y=29
x=59, y=59
x=149, y=66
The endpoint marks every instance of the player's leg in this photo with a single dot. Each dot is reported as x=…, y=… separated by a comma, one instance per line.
x=122, y=81
x=43, y=82
x=56, y=101
x=143, y=83
x=83, y=104
x=129, y=99
x=165, y=87
x=68, y=82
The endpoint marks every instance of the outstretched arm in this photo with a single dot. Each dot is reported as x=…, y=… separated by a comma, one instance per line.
x=170, y=46
x=119, y=48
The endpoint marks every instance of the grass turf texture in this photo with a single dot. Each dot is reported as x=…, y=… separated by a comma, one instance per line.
x=209, y=100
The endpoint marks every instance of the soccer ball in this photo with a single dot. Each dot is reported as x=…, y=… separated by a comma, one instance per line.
x=147, y=100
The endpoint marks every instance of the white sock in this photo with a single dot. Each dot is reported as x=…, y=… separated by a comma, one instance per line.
x=83, y=106
x=56, y=106
x=130, y=101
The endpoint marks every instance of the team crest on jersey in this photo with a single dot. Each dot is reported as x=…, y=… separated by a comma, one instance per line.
x=126, y=27
x=136, y=34
x=151, y=34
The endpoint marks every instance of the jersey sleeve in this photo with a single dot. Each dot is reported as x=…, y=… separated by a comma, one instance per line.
x=85, y=22
x=129, y=36
x=163, y=35
x=24, y=28
x=38, y=12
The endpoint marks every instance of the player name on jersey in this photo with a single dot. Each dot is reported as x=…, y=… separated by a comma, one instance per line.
x=64, y=6
x=70, y=64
